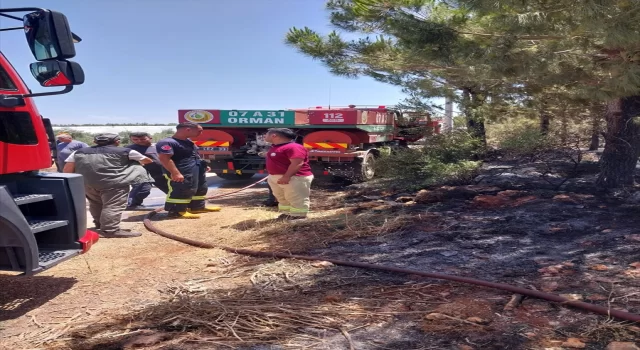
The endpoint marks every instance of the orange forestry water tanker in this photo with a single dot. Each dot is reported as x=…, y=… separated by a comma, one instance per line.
x=342, y=141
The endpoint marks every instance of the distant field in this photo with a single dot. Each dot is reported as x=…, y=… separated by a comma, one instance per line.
x=152, y=129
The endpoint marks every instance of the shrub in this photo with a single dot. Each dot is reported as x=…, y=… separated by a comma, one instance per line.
x=163, y=134
x=452, y=147
x=125, y=140
x=522, y=137
x=444, y=159
x=524, y=142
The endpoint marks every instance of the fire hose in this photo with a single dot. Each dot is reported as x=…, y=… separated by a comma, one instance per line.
x=623, y=315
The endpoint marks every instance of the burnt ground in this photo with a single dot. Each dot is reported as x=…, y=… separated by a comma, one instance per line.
x=538, y=225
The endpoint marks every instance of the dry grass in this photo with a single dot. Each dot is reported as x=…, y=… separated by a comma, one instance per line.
x=344, y=224
x=331, y=226
x=196, y=313
x=611, y=330
x=332, y=218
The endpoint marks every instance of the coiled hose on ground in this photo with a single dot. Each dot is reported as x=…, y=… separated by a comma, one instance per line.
x=623, y=315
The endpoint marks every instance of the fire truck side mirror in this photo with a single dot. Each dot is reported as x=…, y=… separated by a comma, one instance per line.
x=57, y=73
x=49, y=35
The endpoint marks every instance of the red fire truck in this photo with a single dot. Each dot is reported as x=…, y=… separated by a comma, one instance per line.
x=42, y=215
x=342, y=141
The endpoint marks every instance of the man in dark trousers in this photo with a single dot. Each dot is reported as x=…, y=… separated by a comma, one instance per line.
x=142, y=143
x=271, y=200
x=108, y=171
x=185, y=173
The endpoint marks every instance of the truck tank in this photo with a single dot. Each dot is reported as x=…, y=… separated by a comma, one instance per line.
x=342, y=141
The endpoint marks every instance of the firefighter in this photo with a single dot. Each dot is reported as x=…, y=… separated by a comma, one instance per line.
x=290, y=174
x=185, y=173
x=108, y=172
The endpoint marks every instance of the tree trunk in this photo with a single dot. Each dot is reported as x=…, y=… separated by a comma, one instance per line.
x=622, y=143
x=448, y=115
x=545, y=121
x=596, y=126
x=545, y=118
x=564, y=128
x=477, y=129
x=595, y=142
x=475, y=123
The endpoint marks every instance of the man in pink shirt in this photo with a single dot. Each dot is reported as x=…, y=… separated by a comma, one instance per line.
x=290, y=175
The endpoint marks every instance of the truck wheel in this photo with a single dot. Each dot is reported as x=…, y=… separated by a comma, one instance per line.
x=364, y=170
x=235, y=177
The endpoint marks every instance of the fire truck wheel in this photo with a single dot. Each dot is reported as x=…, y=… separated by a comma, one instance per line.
x=364, y=170
x=235, y=177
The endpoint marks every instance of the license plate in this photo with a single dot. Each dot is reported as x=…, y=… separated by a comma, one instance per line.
x=214, y=149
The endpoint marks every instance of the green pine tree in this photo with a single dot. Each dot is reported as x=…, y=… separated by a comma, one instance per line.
x=555, y=57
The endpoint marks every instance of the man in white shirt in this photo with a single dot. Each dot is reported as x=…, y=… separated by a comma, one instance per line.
x=108, y=172
x=142, y=142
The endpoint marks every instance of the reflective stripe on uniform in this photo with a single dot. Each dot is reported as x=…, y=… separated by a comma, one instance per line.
x=174, y=200
x=296, y=210
x=178, y=201
x=284, y=207
x=168, y=185
x=198, y=198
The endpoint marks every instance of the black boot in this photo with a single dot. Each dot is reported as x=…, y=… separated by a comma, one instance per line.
x=269, y=203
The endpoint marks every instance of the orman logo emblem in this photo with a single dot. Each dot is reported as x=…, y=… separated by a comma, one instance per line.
x=198, y=116
x=364, y=117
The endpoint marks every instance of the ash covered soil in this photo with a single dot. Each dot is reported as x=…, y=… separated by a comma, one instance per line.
x=541, y=226
x=538, y=225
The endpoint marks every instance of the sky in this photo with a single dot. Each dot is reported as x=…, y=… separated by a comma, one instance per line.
x=146, y=59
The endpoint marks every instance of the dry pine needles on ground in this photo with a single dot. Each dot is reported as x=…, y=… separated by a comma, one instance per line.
x=197, y=313
x=343, y=224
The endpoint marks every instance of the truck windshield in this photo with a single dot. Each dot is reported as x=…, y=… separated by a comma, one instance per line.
x=5, y=81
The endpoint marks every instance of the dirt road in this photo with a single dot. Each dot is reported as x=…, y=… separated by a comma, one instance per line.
x=118, y=272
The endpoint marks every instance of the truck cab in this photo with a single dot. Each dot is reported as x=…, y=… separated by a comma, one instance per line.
x=42, y=214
